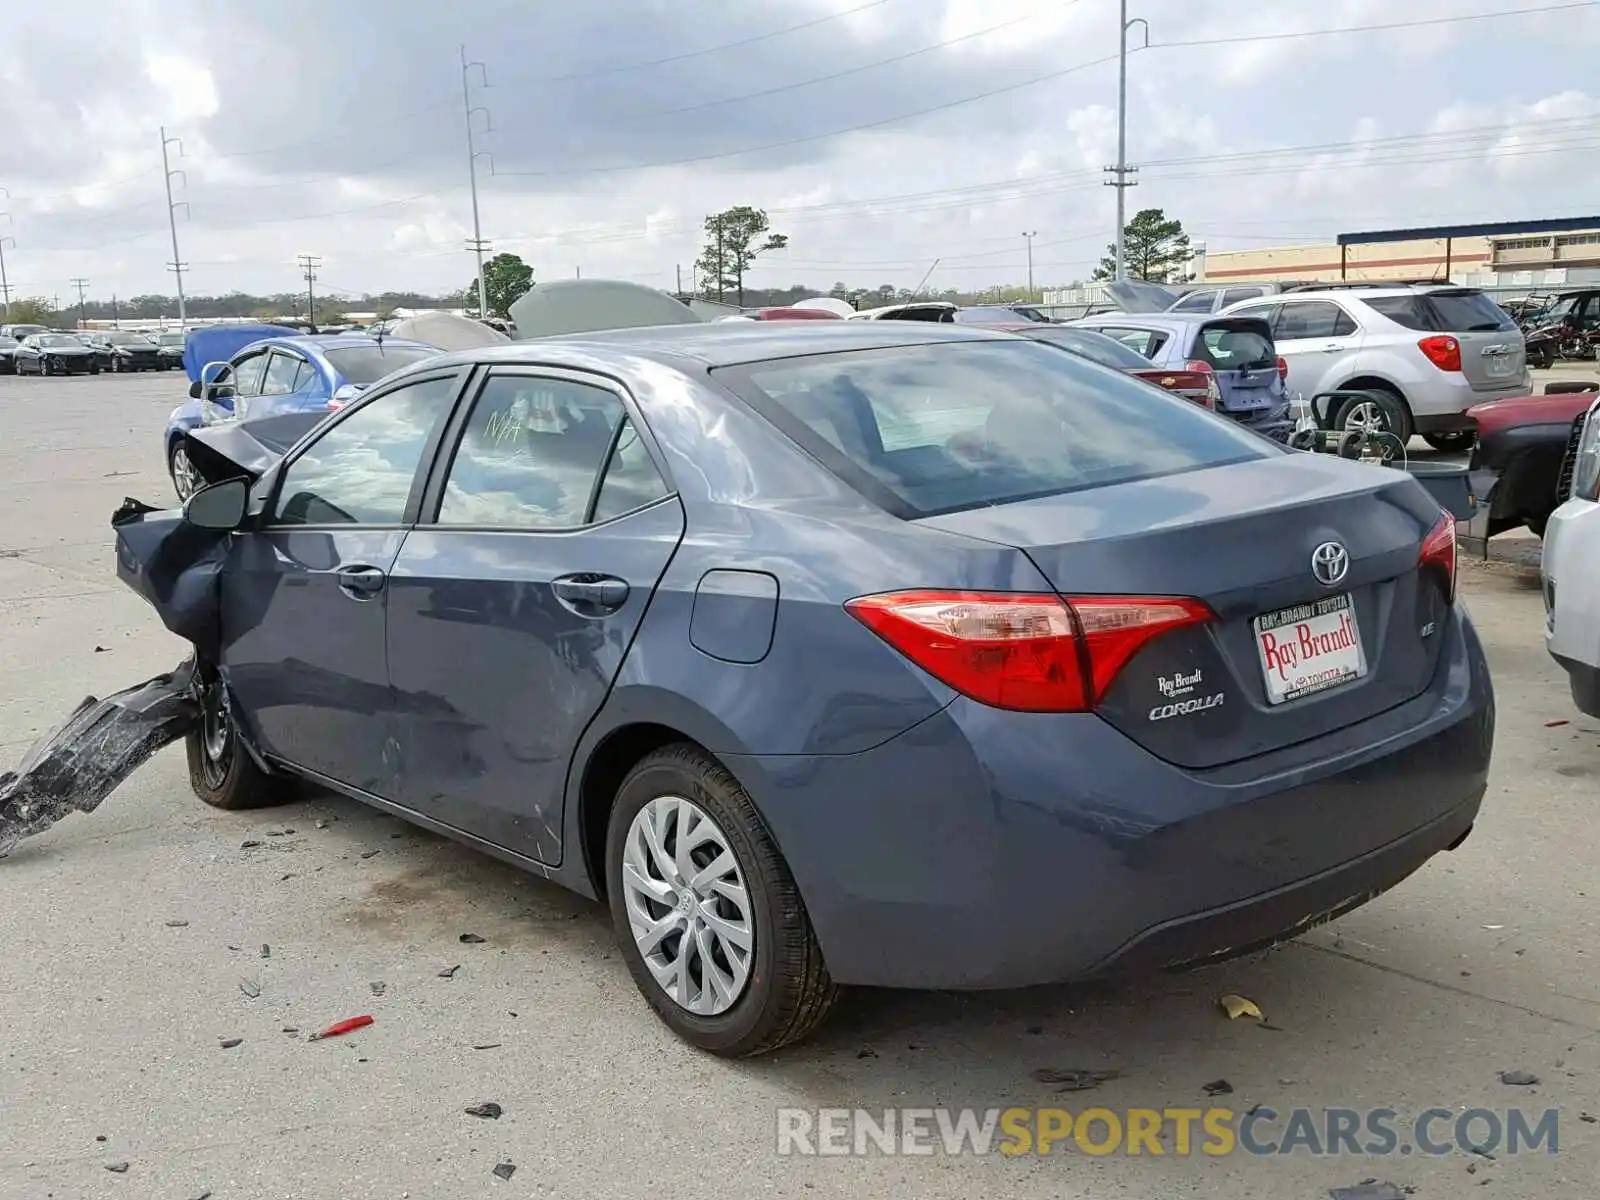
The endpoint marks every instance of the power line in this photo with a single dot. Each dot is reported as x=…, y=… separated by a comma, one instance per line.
x=5, y=284
x=1495, y=15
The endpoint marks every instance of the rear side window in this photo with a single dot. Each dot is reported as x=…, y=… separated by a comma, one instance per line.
x=1141, y=341
x=1406, y=311
x=1234, y=295
x=939, y=428
x=1096, y=347
x=1195, y=302
x=1468, y=312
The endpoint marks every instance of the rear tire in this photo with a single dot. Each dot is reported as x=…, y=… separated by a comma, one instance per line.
x=1449, y=443
x=1377, y=409
x=221, y=771
x=786, y=990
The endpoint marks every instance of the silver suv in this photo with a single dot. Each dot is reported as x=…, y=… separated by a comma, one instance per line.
x=1425, y=353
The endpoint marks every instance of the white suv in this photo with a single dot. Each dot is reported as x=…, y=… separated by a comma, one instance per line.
x=1569, y=568
x=1428, y=352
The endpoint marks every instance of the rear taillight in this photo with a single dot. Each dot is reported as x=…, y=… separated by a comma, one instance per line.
x=1439, y=553
x=1213, y=396
x=1200, y=365
x=1283, y=369
x=1442, y=351
x=1026, y=652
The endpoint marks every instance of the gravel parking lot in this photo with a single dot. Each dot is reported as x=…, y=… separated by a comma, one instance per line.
x=136, y=946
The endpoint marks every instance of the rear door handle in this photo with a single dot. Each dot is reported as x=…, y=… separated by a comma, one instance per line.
x=589, y=594
x=1332, y=349
x=361, y=582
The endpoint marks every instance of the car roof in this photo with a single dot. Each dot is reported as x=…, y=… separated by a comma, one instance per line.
x=317, y=344
x=712, y=344
x=1160, y=320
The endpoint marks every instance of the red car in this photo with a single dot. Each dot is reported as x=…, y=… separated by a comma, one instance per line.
x=1199, y=386
x=1524, y=444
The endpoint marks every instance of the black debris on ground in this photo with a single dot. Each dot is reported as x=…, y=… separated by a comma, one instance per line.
x=176, y=924
x=379, y=987
x=230, y=1043
x=1370, y=1189
x=1518, y=1078
x=266, y=950
x=371, y=853
x=449, y=972
x=866, y=1052
x=506, y=1170
x=471, y=939
x=118, y=1168
x=250, y=988
x=1588, y=1118
x=488, y=1110
x=489, y=1046
x=1218, y=1087
x=1073, y=1079
x=250, y=844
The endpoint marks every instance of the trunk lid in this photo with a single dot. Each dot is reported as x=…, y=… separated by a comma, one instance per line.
x=1242, y=539
x=1242, y=353
x=1137, y=296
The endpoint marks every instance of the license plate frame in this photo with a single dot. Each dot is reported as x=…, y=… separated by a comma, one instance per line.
x=1285, y=661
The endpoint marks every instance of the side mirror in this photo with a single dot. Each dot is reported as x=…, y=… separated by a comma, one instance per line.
x=194, y=390
x=219, y=505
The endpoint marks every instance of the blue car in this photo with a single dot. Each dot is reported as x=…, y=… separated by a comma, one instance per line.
x=1238, y=352
x=271, y=375
x=832, y=653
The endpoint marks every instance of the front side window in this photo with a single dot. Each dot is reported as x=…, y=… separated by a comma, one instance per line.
x=938, y=428
x=530, y=454
x=1313, y=319
x=361, y=470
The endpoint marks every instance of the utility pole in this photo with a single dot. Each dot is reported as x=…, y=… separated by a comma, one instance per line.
x=116, y=314
x=476, y=243
x=176, y=266
x=5, y=284
x=83, y=317
x=677, y=270
x=1029, y=236
x=1122, y=170
x=309, y=263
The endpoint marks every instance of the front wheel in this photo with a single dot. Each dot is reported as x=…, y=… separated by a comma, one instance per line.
x=44, y=367
x=1449, y=443
x=185, y=479
x=710, y=921
x=221, y=771
x=94, y=369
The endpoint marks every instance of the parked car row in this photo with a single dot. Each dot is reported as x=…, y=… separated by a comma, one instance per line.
x=34, y=350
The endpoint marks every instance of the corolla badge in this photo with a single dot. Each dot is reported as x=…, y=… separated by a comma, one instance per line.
x=1330, y=563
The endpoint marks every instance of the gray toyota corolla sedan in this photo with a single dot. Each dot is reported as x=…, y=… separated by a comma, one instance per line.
x=840, y=653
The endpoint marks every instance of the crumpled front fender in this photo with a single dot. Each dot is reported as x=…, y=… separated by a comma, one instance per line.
x=177, y=568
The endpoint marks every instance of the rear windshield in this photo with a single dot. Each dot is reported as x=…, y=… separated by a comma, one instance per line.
x=368, y=364
x=1444, y=312
x=989, y=316
x=1096, y=347
x=938, y=428
x=1235, y=346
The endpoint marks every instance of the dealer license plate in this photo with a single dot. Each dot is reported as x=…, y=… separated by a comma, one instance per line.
x=1309, y=648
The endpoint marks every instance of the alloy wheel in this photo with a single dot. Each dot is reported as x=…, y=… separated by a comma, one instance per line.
x=1366, y=417
x=185, y=479
x=688, y=907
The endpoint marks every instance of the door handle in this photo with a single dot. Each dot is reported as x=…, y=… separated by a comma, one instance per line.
x=1332, y=349
x=589, y=594
x=361, y=582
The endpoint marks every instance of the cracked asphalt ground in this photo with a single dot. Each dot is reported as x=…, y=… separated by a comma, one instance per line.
x=131, y=948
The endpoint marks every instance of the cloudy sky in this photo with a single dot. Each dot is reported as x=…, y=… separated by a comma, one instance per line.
x=880, y=134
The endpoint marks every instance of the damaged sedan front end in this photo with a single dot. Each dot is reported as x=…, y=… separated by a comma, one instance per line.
x=173, y=559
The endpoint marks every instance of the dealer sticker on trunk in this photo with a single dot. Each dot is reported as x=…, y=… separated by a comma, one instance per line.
x=1309, y=648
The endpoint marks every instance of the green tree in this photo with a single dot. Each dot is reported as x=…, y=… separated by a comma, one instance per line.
x=1154, y=249
x=506, y=279
x=34, y=310
x=734, y=239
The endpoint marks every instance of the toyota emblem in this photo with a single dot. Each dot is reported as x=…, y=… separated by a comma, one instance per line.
x=1330, y=562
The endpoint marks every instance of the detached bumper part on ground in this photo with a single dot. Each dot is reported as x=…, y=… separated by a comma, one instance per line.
x=83, y=760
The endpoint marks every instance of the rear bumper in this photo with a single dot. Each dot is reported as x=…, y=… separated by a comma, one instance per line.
x=986, y=850
x=1441, y=406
